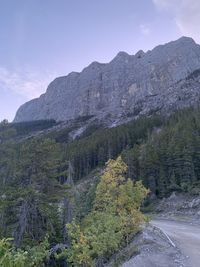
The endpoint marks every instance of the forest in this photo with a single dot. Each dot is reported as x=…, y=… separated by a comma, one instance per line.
x=39, y=190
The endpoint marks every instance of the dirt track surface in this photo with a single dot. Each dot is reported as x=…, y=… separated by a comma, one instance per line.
x=185, y=236
x=155, y=250
x=167, y=243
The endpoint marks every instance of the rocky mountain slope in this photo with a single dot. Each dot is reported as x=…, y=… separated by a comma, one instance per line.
x=160, y=80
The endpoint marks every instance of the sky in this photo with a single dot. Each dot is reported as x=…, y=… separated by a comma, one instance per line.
x=43, y=39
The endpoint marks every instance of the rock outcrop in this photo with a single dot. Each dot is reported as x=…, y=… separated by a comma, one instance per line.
x=161, y=80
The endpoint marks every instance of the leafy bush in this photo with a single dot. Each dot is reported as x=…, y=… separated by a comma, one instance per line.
x=115, y=216
x=31, y=257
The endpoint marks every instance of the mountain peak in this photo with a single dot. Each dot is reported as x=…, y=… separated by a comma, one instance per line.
x=121, y=56
x=186, y=39
x=139, y=84
x=140, y=54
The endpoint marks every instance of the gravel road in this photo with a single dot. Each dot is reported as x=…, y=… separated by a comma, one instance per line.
x=185, y=236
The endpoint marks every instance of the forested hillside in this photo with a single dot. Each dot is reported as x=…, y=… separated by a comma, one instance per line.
x=38, y=177
x=169, y=160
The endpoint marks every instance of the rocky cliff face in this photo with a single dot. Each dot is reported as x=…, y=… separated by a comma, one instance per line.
x=160, y=80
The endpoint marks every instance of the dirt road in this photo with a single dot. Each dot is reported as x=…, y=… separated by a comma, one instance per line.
x=185, y=236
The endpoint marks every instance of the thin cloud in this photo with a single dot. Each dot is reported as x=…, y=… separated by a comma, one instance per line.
x=186, y=15
x=163, y=3
x=145, y=30
x=26, y=83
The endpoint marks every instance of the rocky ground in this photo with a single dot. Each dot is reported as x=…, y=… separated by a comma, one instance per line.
x=186, y=237
x=155, y=250
x=150, y=248
x=180, y=207
x=172, y=240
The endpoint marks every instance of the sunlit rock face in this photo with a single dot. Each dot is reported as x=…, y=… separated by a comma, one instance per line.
x=160, y=80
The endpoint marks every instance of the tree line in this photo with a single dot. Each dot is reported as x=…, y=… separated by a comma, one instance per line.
x=38, y=178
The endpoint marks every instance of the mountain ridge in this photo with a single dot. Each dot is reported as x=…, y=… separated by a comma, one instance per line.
x=140, y=84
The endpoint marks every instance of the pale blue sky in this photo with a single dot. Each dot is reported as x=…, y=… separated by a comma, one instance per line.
x=43, y=39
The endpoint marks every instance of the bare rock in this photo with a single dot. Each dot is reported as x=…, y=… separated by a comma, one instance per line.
x=160, y=80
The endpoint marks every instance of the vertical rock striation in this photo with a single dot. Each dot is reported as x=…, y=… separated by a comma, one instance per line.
x=159, y=80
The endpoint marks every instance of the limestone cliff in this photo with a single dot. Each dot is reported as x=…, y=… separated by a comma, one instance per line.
x=159, y=80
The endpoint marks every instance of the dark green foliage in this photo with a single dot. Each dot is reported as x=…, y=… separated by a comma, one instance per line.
x=31, y=191
x=24, y=128
x=169, y=160
x=62, y=136
x=94, y=150
x=34, y=198
x=35, y=256
x=6, y=132
x=85, y=199
x=91, y=130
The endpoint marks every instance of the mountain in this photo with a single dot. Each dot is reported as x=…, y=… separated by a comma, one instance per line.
x=160, y=80
x=70, y=172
